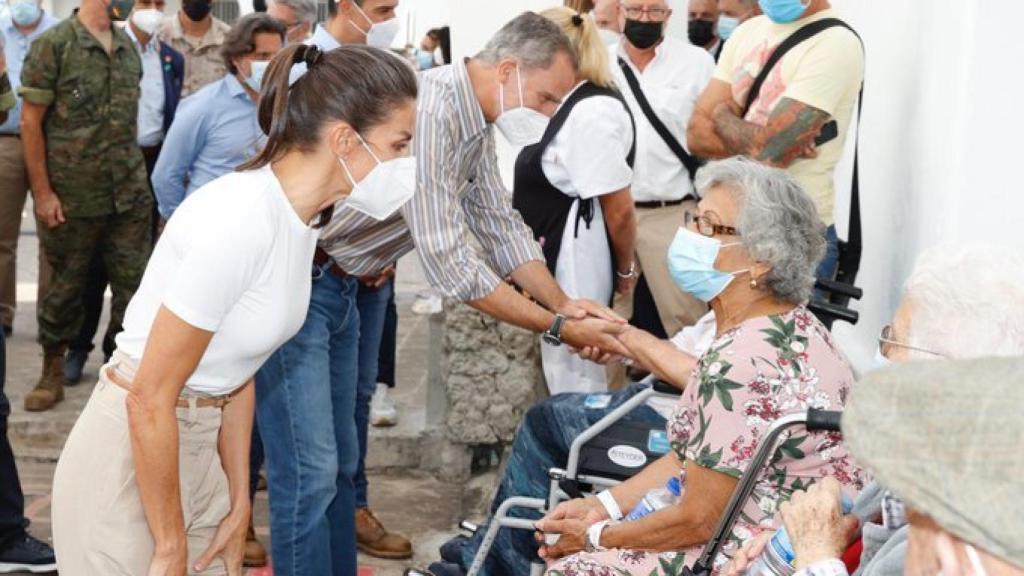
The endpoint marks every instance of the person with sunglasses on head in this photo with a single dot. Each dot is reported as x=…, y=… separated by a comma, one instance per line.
x=660, y=77
x=228, y=283
x=959, y=302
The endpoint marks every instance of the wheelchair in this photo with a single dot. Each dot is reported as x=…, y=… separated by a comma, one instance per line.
x=613, y=450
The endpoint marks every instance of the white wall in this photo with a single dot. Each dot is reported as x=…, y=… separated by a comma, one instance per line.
x=940, y=139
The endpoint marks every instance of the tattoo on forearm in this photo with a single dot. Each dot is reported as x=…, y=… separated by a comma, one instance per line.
x=738, y=135
x=795, y=125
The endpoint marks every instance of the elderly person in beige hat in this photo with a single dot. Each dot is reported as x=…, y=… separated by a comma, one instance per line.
x=959, y=302
x=962, y=490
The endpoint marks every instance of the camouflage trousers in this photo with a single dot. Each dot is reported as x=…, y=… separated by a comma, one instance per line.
x=122, y=240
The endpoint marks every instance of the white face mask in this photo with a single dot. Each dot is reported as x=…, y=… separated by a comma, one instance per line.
x=385, y=189
x=609, y=37
x=257, y=68
x=381, y=34
x=880, y=362
x=147, y=20
x=521, y=126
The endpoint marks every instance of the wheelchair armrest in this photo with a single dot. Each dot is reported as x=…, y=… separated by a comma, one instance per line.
x=662, y=387
x=828, y=312
x=839, y=288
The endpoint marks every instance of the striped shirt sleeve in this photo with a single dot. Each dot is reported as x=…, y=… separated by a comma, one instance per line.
x=507, y=240
x=436, y=219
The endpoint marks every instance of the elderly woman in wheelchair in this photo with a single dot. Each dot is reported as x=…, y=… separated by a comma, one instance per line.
x=750, y=251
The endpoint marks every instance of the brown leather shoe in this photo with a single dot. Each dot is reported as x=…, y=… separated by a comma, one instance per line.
x=50, y=388
x=373, y=539
x=255, y=552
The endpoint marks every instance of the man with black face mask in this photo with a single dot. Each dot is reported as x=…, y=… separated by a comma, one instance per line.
x=660, y=78
x=195, y=33
x=702, y=27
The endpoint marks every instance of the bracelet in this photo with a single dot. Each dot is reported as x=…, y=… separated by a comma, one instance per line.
x=630, y=274
x=610, y=505
x=594, y=536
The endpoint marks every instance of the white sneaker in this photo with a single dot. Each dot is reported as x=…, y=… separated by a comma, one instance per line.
x=382, y=408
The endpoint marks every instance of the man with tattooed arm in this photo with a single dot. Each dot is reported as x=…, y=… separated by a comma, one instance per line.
x=803, y=111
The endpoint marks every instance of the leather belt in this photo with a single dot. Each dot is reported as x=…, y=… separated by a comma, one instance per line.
x=320, y=258
x=662, y=203
x=6, y=135
x=183, y=401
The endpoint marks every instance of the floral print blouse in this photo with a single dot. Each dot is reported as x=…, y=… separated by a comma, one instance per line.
x=752, y=375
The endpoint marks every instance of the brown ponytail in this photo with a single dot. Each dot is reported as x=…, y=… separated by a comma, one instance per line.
x=354, y=84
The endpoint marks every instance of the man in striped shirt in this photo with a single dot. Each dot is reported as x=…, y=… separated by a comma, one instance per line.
x=459, y=192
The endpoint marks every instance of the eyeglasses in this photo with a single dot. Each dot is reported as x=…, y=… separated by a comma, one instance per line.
x=636, y=12
x=886, y=344
x=706, y=227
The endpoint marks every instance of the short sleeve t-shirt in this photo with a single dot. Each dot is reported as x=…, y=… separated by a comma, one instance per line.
x=825, y=72
x=233, y=260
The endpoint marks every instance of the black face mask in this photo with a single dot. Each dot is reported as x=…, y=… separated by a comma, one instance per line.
x=196, y=10
x=701, y=32
x=643, y=35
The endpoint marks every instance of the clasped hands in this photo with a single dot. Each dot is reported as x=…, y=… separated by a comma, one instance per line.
x=593, y=327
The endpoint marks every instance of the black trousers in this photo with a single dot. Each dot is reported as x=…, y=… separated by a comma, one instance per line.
x=12, y=500
x=92, y=295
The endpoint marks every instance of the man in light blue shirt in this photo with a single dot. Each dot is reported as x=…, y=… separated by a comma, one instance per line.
x=24, y=22
x=215, y=130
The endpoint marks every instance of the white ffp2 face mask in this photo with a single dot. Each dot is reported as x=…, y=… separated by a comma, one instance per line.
x=385, y=189
x=521, y=126
x=381, y=34
x=147, y=20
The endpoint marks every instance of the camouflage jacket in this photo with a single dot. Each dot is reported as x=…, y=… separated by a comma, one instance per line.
x=93, y=161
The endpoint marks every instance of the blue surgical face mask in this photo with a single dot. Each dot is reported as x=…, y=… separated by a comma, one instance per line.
x=25, y=12
x=691, y=262
x=424, y=60
x=726, y=26
x=784, y=11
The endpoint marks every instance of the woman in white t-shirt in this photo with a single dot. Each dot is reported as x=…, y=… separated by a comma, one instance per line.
x=572, y=189
x=154, y=476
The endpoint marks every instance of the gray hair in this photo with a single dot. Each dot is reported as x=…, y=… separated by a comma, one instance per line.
x=778, y=223
x=531, y=39
x=967, y=302
x=305, y=10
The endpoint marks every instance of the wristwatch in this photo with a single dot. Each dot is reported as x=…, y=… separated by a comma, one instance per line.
x=553, y=336
x=594, y=536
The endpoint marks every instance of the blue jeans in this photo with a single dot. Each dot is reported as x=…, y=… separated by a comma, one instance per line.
x=542, y=443
x=830, y=263
x=305, y=404
x=373, y=306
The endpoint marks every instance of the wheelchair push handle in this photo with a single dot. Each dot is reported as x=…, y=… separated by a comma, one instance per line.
x=823, y=420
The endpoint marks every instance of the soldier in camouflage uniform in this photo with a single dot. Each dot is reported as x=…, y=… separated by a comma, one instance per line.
x=80, y=88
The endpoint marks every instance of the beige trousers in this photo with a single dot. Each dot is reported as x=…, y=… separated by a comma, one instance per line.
x=655, y=230
x=99, y=524
x=13, y=192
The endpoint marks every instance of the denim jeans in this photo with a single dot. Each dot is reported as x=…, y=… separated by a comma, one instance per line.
x=542, y=443
x=373, y=305
x=305, y=405
x=12, y=500
x=388, y=343
x=830, y=263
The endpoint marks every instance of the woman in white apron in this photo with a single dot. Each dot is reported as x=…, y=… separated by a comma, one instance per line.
x=572, y=189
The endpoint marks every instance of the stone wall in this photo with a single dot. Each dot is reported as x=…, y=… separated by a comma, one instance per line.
x=492, y=375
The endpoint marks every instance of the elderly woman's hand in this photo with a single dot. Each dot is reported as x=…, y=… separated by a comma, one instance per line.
x=746, y=555
x=597, y=356
x=572, y=537
x=815, y=523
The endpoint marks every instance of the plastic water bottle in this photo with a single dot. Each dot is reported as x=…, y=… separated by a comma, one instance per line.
x=777, y=558
x=656, y=500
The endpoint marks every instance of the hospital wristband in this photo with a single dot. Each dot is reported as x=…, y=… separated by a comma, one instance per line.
x=610, y=505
